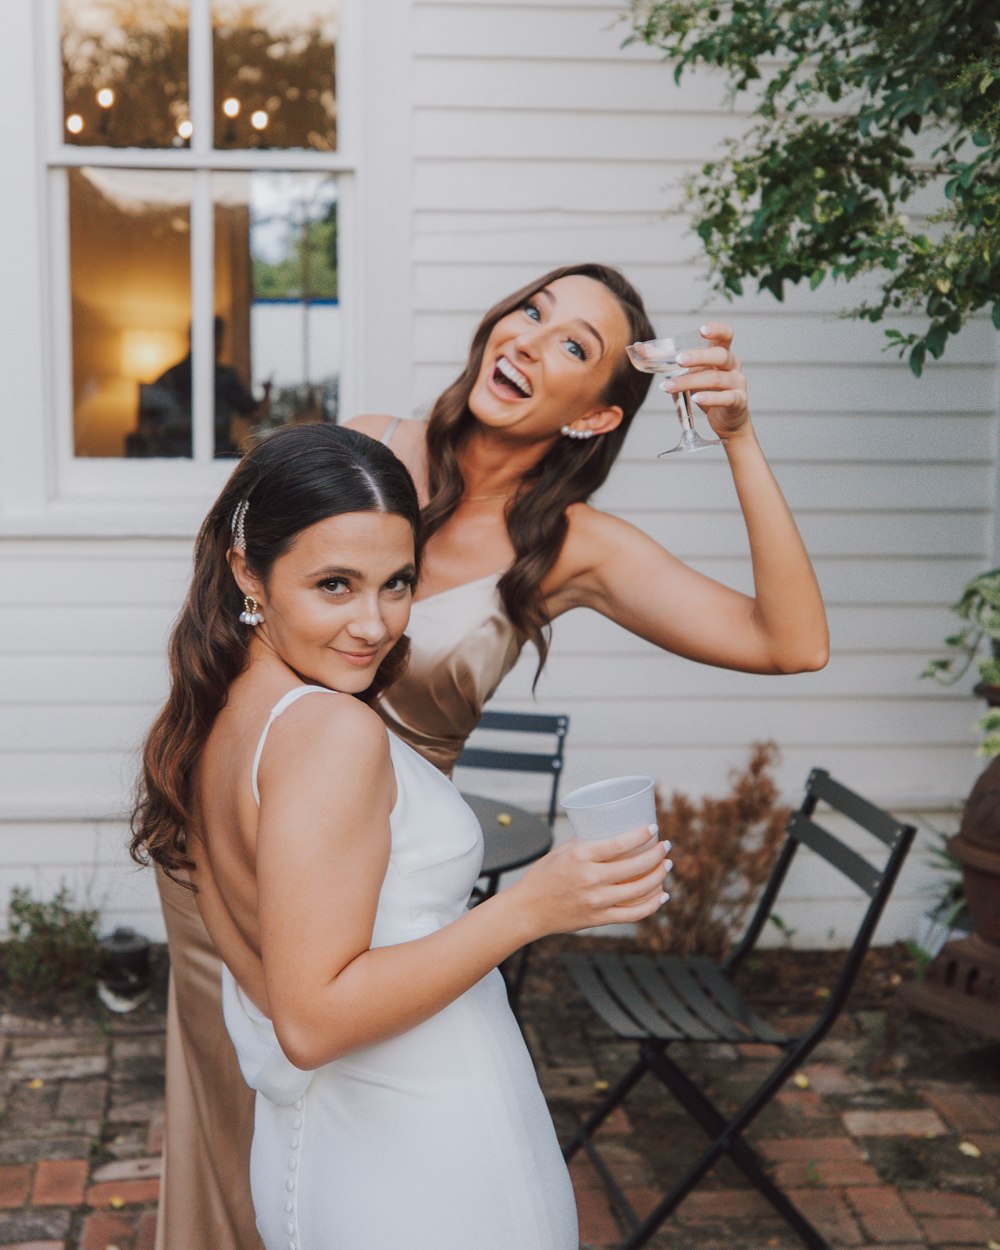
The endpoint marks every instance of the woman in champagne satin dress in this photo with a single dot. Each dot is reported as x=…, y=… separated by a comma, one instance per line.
x=505, y=466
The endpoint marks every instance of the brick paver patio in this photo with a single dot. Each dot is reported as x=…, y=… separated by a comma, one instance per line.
x=899, y=1151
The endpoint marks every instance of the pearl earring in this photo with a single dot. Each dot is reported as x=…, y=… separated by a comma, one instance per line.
x=568, y=432
x=251, y=612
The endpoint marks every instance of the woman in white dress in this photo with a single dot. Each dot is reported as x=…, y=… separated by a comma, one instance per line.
x=396, y=1104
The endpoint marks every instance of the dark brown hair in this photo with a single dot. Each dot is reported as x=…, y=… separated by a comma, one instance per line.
x=569, y=472
x=290, y=480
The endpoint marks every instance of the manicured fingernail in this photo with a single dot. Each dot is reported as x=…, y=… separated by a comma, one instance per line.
x=683, y=358
x=654, y=828
x=704, y=331
x=669, y=865
x=664, y=896
x=666, y=844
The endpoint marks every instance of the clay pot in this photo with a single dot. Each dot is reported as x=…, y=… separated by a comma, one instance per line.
x=976, y=847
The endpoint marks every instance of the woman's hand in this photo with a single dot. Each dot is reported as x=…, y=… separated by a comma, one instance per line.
x=714, y=381
x=579, y=884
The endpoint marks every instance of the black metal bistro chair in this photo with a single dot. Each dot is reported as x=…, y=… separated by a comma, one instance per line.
x=656, y=1001
x=514, y=836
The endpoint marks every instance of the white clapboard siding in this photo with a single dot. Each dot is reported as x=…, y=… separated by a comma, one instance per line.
x=451, y=277
x=83, y=630
x=87, y=858
x=537, y=140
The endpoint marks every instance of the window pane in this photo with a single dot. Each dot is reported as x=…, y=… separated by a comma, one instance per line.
x=274, y=73
x=125, y=73
x=130, y=277
x=276, y=290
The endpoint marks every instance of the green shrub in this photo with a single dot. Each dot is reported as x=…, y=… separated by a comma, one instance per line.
x=53, y=947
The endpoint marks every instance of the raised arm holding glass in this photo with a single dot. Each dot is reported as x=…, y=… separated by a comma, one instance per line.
x=505, y=467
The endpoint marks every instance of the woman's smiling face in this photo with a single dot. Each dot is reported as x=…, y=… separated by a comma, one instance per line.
x=338, y=600
x=548, y=363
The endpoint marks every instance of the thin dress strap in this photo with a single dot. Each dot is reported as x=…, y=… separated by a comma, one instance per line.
x=389, y=430
x=284, y=702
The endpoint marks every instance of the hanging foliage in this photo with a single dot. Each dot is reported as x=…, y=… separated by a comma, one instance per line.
x=858, y=107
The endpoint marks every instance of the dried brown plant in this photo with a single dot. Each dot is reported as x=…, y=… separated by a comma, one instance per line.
x=723, y=852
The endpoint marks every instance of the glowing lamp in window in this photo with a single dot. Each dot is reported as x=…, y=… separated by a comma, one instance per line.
x=231, y=107
x=145, y=354
x=105, y=97
x=259, y=119
x=74, y=123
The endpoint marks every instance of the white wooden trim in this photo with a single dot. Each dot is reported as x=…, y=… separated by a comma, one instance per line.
x=202, y=312
x=245, y=160
x=60, y=407
x=201, y=95
x=44, y=487
x=380, y=211
x=23, y=345
x=50, y=76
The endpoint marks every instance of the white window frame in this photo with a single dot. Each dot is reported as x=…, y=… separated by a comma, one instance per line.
x=44, y=488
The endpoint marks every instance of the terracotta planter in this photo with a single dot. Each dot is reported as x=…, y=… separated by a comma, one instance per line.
x=976, y=847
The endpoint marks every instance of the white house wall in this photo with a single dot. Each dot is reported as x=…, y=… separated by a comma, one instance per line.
x=537, y=141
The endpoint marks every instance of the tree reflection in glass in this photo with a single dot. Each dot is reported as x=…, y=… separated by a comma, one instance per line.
x=125, y=73
x=126, y=82
x=274, y=73
x=294, y=325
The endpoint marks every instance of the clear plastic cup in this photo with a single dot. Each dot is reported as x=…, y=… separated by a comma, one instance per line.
x=605, y=808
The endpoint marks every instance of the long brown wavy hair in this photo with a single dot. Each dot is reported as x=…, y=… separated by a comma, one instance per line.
x=569, y=472
x=290, y=480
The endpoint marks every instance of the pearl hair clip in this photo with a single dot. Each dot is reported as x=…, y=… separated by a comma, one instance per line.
x=238, y=525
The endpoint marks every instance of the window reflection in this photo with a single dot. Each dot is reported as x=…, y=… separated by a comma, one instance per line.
x=276, y=274
x=125, y=73
x=166, y=406
x=274, y=73
x=275, y=336
x=131, y=307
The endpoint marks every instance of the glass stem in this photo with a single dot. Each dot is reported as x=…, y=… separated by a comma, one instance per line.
x=683, y=410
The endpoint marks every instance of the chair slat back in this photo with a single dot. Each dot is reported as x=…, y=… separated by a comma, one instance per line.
x=515, y=760
x=835, y=852
x=508, y=761
x=526, y=722
x=870, y=817
x=876, y=881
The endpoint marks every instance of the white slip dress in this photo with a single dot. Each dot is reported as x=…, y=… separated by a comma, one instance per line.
x=438, y=1139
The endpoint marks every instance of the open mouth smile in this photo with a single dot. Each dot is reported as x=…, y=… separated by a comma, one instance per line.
x=509, y=380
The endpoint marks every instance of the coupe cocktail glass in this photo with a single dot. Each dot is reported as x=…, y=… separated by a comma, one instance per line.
x=660, y=356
